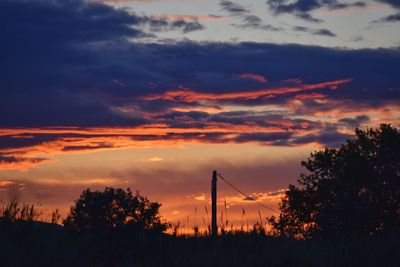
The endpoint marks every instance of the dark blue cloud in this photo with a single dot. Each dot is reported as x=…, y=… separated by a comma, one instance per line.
x=393, y=17
x=302, y=8
x=159, y=24
x=264, y=137
x=394, y=3
x=254, y=22
x=71, y=21
x=390, y=18
x=187, y=26
x=323, y=32
x=69, y=63
x=233, y=8
x=355, y=122
x=249, y=21
x=5, y=159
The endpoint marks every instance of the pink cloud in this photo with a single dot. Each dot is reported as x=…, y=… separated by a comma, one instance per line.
x=252, y=76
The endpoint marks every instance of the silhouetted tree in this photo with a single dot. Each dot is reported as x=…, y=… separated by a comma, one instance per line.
x=113, y=209
x=351, y=189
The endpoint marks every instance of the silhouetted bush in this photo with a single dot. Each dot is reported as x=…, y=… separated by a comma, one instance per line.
x=354, y=189
x=114, y=209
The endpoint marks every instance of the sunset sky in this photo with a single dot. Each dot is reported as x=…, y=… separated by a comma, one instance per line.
x=156, y=94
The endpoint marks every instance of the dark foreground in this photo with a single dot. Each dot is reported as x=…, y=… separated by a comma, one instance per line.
x=41, y=244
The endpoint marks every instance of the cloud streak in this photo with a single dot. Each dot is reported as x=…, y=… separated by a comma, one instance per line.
x=323, y=32
x=191, y=96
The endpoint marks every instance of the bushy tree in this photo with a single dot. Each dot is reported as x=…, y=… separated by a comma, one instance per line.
x=113, y=209
x=351, y=189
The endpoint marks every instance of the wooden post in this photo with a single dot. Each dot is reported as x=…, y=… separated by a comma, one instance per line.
x=214, y=227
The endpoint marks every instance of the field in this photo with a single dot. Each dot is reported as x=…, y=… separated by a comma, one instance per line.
x=44, y=244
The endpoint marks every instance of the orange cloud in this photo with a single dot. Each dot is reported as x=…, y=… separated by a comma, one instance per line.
x=12, y=162
x=83, y=182
x=190, y=96
x=26, y=156
x=155, y=159
x=6, y=183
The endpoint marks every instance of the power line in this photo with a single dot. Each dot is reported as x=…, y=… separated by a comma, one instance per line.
x=248, y=197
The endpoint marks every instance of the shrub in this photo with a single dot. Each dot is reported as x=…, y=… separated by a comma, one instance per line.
x=113, y=209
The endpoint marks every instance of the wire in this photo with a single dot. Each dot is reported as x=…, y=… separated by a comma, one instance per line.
x=248, y=197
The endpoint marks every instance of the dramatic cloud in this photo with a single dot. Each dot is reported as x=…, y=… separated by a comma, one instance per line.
x=74, y=81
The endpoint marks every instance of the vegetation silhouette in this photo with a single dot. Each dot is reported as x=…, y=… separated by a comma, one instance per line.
x=113, y=209
x=354, y=189
x=15, y=211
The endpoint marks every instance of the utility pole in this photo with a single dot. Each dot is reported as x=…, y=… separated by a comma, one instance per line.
x=214, y=227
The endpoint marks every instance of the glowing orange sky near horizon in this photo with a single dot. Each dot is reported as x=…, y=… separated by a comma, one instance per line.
x=184, y=187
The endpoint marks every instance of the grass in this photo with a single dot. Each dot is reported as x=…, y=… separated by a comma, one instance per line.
x=28, y=242
x=15, y=211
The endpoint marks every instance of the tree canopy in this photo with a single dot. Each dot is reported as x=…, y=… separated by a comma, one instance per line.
x=351, y=189
x=113, y=209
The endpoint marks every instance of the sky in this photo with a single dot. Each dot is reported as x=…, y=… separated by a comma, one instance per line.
x=155, y=95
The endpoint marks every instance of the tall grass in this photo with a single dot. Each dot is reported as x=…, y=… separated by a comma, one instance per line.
x=237, y=245
x=260, y=227
x=16, y=211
